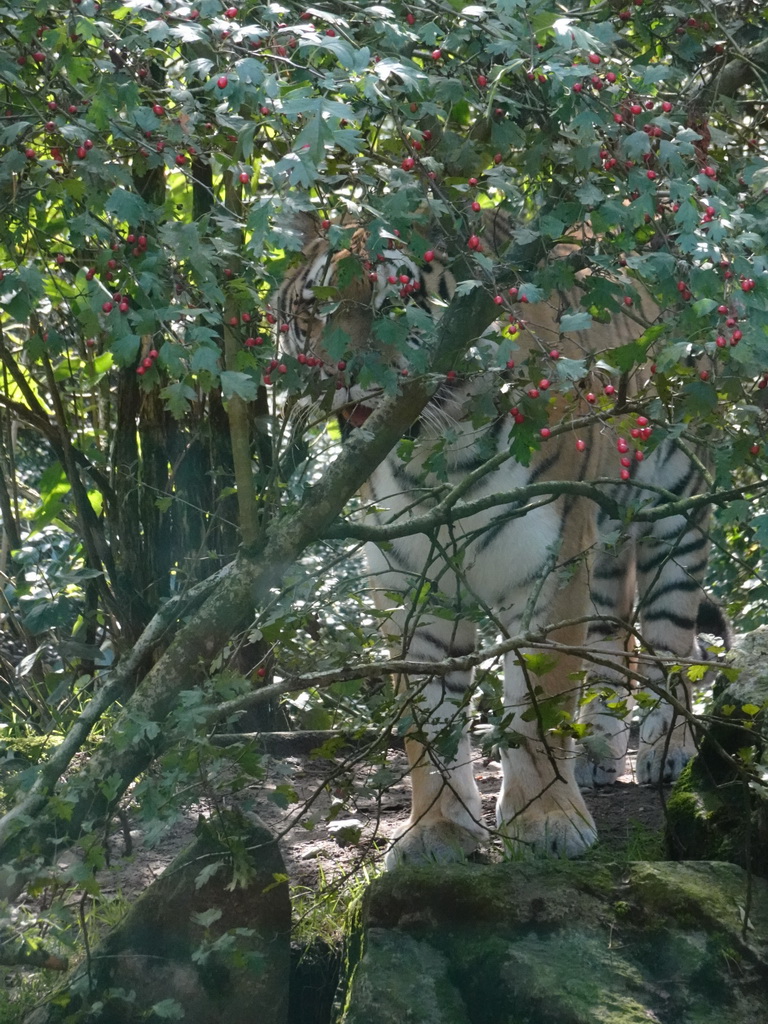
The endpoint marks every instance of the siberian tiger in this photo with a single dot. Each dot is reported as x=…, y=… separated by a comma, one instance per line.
x=529, y=566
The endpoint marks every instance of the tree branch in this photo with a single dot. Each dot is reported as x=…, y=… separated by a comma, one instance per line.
x=131, y=745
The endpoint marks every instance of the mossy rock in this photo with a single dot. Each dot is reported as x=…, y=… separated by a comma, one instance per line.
x=207, y=943
x=713, y=812
x=562, y=943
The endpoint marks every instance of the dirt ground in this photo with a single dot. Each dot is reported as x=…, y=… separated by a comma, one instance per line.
x=319, y=852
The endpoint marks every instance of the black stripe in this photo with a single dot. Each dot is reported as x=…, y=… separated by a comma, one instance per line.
x=451, y=649
x=681, y=621
x=669, y=551
x=685, y=584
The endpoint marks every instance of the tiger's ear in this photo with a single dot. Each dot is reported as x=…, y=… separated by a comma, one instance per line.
x=307, y=227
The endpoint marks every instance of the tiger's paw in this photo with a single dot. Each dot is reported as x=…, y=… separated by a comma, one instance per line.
x=435, y=842
x=661, y=757
x=591, y=773
x=557, y=832
x=602, y=752
x=662, y=762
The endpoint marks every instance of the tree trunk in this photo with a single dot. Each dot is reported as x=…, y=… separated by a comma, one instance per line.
x=229, y=609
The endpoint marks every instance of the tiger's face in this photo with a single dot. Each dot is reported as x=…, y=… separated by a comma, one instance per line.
x=364, y=320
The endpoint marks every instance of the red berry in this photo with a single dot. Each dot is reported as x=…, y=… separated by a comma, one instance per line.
x=609, y=389
x=545, y=432
x=437, y=54
x=594, y=59
x=107, y=307
x=158, y=110
x=222, y=82
x=231, y=12
x=482, y=81
x=429, y=255
x=581, y=446
x=473, y=242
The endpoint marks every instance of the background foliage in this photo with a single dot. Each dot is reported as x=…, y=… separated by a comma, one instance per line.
x=153, y=156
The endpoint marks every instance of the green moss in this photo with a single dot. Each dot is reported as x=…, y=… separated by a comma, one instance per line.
x=582, y=943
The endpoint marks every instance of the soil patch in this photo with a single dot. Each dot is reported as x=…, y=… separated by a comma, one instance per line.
x=339, y=817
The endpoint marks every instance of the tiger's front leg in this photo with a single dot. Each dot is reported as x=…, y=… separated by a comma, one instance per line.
x=445, y=823
x=541, y=809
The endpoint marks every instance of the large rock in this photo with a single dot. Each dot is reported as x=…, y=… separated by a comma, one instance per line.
x=562, y=943
x=207, y=943
x=719, y=807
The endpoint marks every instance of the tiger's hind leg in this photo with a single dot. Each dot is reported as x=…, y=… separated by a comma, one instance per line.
x=445, y=823
x=602, y=755
x=671, y=561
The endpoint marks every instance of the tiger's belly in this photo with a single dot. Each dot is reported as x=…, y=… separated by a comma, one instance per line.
x=492, y=558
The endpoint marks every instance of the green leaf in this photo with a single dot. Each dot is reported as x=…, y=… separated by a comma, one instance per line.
x=177, y=397
x=205, y=918
x=703, y=306
x=168, y=1009
x=751, y=709
x=581, y=321
x=540, y=664
x=206, y=358
x=240, y=384
x=700, y=397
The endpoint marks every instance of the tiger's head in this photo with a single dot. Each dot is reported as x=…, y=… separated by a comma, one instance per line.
x=359, y=313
